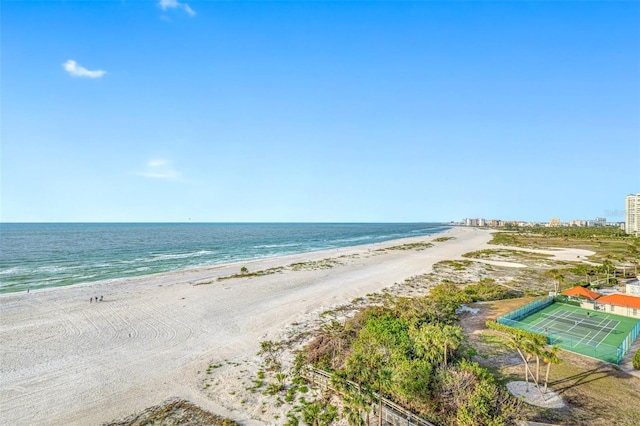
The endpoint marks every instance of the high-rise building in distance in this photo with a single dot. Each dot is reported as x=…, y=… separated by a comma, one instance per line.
x=632, y=216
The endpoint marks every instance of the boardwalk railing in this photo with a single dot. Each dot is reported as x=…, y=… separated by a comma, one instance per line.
x=392, y=413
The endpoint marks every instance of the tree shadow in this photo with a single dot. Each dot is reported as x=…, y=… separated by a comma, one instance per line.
x=569, y=382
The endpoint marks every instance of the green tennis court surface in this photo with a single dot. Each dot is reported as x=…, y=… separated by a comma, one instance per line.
x=591, y=333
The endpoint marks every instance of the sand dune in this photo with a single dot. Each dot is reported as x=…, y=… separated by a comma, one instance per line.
x=67, y=361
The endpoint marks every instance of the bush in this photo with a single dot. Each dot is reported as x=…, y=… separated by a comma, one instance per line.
x=487, y=289
x=636, y=360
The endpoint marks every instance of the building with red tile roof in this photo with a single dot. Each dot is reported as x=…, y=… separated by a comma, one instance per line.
x=621, y=304
x=581, y=292
x=621, y=300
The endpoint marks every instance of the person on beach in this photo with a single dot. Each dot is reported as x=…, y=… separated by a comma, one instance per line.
x=91, y=300
x=101, y=298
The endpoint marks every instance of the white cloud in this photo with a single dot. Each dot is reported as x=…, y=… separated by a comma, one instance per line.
x=76, y=70
x=175, y=4
x=160, y=169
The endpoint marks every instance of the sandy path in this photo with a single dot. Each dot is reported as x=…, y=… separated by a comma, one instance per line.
x=67, y=361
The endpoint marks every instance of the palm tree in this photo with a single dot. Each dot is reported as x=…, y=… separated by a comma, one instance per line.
x=537, y=350
x=608, y=265
x=426, y=341
x=517, y=342
x=526, y=349
x=378, y=359
x=558, y=278
x=353, y=398
x=318, y=413
x=359, y=368
x=550, y=357
x=634, y=253
x=354, y=402
x=451, y=336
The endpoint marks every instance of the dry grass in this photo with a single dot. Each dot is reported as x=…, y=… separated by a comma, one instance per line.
x=604, y=247
x=534, y=258
x=301, y=266
x=173, y=412
x=410, y=246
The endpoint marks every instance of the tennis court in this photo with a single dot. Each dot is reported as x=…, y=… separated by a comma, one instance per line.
x=586, y=328
x=592, y=333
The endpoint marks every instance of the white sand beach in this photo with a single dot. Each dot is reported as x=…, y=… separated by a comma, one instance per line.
x=67, y=361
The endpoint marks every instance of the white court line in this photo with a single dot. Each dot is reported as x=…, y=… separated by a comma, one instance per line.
x=574, y=326
x=585, y=337
x=540, y=323
x=591, y=334
x=544, y=325
x=577, y=323
x=601, y=340
x=603, y=320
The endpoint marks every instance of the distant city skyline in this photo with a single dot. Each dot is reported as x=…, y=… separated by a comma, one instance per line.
x=171, y=111
x=554, y=221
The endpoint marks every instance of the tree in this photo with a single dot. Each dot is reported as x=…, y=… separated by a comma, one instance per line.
x=412, y=384
x=318, y=413
x=374, y=364
x=357, y=367
x=608, y=266
x=451, y=337
x=384, y=380
x=354, y=400
x=382, y=341
x=525, y=347
x=558, y=279
x=634, y=253
x=550, y=357
x=468, y=395
x=427, y=342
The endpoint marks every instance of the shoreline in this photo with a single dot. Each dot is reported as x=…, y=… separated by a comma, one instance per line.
x=66, y=361
x=201, y=268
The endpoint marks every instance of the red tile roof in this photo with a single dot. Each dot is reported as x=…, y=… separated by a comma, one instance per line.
x=621, y=300
x=582, y=292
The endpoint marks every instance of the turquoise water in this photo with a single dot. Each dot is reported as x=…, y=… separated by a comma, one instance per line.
x=42, y=255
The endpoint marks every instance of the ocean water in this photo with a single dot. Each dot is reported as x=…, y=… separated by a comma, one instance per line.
x=43, y=255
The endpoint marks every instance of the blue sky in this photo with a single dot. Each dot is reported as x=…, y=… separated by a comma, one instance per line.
x=318, y=111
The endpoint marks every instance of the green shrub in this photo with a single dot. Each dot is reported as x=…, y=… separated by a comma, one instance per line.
x=636, y=360
x=487, y=289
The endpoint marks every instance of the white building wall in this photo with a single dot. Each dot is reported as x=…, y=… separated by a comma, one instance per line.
x=632, y=214
x=632, y=289
x=612, y=309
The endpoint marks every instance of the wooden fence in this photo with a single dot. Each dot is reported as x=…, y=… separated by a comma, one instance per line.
x=392, y=413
